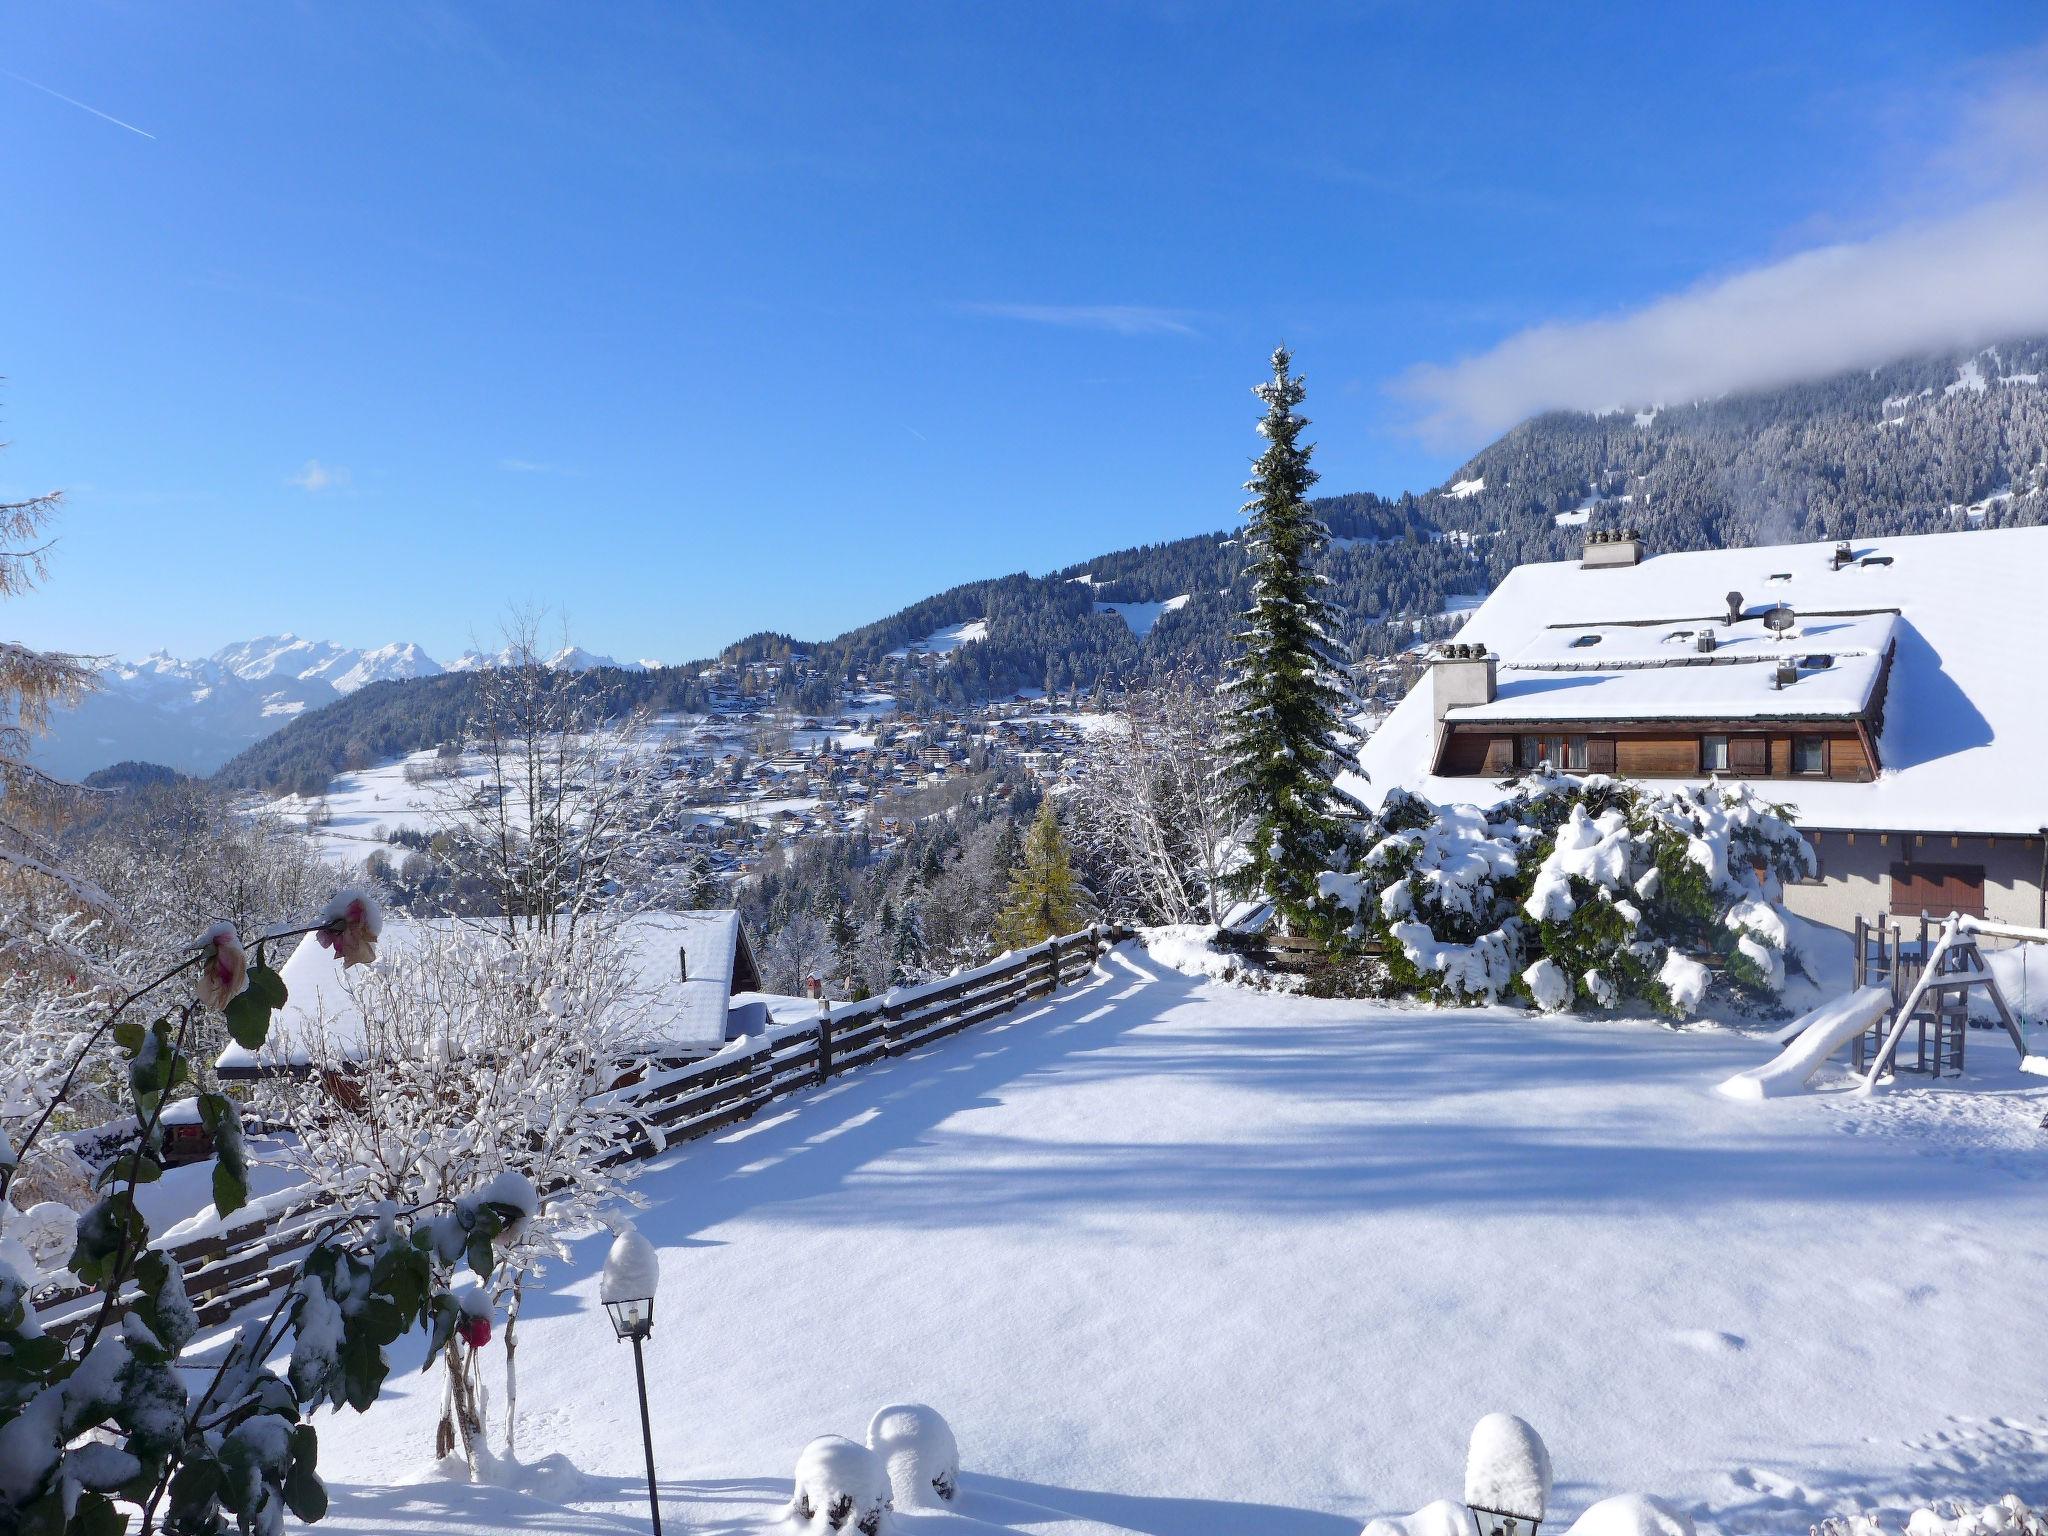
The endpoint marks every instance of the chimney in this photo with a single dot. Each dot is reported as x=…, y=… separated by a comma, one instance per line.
x=1459, y=675
x=1734, y=609
x=1612, y=547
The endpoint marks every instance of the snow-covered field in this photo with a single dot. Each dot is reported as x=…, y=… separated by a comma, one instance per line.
x=1174, y=1257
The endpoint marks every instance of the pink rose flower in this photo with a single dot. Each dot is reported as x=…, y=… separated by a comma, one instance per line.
x=350, y=927
x=224, y=971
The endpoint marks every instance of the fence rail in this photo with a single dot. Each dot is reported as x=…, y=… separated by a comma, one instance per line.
x=254, y=1254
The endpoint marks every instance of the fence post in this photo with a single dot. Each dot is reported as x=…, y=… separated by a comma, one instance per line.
x=824, y=1038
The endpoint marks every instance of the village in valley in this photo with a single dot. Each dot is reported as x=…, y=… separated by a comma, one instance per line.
x=1133, y=987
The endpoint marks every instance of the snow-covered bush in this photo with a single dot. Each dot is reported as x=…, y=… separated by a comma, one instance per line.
x=2010, y=1516
x=1578, y=891
x=841, y=1485
x=486, y=1061
x=1632, y=1514
x=919, y=1454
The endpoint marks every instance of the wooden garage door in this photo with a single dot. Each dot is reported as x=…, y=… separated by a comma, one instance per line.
x=1937, y=889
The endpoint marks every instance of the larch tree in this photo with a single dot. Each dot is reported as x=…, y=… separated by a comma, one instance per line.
x=1044, y=897
x=1286, y=687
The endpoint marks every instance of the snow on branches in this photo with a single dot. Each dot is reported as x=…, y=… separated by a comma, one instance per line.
x=1578, y=891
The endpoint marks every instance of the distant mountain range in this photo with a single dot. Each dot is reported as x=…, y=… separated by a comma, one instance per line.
x=1952, y=440
x=193, y=715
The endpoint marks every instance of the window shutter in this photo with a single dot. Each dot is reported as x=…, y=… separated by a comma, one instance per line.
x=1500, y=754
x=1600, y=754
x=1749, y=755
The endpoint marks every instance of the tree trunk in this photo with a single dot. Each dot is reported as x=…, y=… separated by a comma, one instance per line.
x=511, y=1367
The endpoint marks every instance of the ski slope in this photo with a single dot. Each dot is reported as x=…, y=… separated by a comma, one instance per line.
x=1176, y=1258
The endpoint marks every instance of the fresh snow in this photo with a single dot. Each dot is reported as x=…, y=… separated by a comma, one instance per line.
x=1463, y=488
x=943, y=642
x=1178, y=1258
x=1142, y=616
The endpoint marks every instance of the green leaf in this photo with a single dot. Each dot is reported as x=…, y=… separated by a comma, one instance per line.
x=482, y=1257
x=128, y=1035
x=230, y=1189
x=444, y=1314
x=135, y=1167
x=96, y=1515
x=193, y=1487
x=248, y=1019
x=304, y=1494
x=363, y=1370
x=268, y=985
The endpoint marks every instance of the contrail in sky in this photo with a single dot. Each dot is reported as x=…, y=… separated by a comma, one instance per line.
x=73, y=101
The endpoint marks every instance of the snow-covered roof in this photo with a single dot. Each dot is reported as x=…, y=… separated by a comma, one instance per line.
x=687, y=966
x=1963, y=616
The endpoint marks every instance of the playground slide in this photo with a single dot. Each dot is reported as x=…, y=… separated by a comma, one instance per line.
x=1821, y=1033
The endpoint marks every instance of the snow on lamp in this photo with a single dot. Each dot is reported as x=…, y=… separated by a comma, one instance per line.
x=631, y=1273
x=1507, y=1476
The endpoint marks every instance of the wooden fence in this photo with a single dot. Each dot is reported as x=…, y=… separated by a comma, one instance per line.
x=256, y=1253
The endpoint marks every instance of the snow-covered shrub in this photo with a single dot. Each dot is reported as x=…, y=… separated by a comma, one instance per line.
x=1445, y=1517
x=2010, y=1516
x=919, y=1454
x=1632, y=1514
x=1578, y=891
x=840, y=1486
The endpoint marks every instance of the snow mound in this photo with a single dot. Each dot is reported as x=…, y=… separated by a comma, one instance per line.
x=840, y=1486
x=1445, y=1517
x=918, y=1452
x=1632, y=1514
x=1507, y=1468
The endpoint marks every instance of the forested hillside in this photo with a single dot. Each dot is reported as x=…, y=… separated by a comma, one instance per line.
x=1919, y=445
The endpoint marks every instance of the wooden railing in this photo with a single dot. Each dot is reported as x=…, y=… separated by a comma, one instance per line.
x=256, y=1253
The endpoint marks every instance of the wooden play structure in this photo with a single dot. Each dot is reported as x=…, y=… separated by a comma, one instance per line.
x=1926, y=985
x=1931, y=984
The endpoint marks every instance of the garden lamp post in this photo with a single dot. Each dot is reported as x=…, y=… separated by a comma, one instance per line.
x=631, y=1271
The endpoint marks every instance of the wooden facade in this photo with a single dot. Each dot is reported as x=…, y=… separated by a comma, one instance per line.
x=1732, y=749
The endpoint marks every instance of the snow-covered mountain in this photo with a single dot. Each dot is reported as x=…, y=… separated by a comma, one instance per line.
x=195, y=715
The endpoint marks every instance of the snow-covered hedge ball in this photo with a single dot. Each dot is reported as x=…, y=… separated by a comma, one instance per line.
x=840, y=1486
x=1507, y=1467
x=919, y=1454
x=1632, y=1514
x=1443, y=1518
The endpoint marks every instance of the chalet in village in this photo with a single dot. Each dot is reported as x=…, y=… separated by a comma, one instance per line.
x=1890, y=692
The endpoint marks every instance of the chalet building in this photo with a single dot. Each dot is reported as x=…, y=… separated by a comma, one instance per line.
x=697, y=987
x=1889, y=692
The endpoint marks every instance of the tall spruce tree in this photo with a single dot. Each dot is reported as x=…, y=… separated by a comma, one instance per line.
x=1044, y=899
x=1286, y=685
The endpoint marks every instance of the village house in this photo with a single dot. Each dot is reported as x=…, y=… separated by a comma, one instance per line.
x=697, y=987
x=1887, y=691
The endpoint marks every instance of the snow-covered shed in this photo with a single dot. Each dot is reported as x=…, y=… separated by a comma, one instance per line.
x=1888, y=691
x=691, y=969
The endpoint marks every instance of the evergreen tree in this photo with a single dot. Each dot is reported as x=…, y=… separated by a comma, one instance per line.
x=1044, y=897
x=907, y=952
x=1286, y=685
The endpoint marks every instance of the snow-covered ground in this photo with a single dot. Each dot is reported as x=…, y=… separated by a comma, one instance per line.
x=1142, y=616
x=1178, y=1258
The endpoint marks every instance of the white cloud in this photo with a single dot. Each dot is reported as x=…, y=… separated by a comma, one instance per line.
x=1123, y=319
x=317, y=477
x=1944, y=279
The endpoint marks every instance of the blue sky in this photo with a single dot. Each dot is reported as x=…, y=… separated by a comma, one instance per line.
x=693, y=321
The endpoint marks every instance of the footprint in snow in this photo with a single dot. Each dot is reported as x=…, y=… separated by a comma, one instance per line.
x=1709, y=1341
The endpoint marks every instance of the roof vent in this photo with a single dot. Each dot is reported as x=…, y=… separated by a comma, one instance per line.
x=1843, y=554
x=1734, y=607
x=1706, y=642
x=1580, y=642
x=1788, y=674
x=1779, y=619
x=1875, y=560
